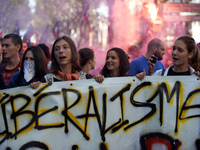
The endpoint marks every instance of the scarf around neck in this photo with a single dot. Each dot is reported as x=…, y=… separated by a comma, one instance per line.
x=68, y=76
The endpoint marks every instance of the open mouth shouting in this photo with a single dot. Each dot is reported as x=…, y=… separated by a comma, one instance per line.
x=175, y=59
x=62, y=58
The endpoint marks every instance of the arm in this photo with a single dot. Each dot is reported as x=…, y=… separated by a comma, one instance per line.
x=141, y=75
x=151, y=68
x=35, y=85
x=151, y=64
x=99, y=79
x=197, y=73
x=14, y=80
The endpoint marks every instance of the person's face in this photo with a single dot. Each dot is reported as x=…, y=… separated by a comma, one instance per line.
x=180, y=54
x=160, y=51
x=29, y=56
x=24, y=46
x=10, y=50
x=62, y=52
x=112, y=61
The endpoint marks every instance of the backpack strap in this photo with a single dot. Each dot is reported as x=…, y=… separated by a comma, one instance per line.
x=163, y=71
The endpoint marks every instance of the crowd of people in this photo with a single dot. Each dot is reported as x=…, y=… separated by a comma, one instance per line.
x=22, y=65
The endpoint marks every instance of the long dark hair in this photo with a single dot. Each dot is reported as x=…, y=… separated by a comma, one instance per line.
x=191, y=47
x=40, y=62
x=45, y=49
x=124, y=63
x=74, y=60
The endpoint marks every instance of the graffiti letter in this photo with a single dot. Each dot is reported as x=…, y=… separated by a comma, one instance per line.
x=69, y=116
x=19, y=112
x=38, y=100
x=120, y=94
x=185, y=108
x=140, y=104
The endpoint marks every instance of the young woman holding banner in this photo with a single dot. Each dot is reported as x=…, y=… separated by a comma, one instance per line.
x=184, y=53
x=117, y=65
x=33, y=68
x=87, y=63
x=64, y=58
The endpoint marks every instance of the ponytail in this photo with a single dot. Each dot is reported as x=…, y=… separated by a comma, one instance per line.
x=195, y=60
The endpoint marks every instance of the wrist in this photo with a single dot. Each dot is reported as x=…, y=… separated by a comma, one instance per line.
x=150, y=73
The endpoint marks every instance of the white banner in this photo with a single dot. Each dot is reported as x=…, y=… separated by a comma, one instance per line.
x=119, y=114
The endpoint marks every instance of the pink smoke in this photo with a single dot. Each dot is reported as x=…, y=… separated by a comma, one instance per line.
x=131, y=22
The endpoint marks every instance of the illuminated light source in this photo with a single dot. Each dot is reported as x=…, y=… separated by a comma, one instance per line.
x=157, y=24
x=131, y=6
x=134, y=6
x=158, y=21
x=169, y=38
x=153, y=10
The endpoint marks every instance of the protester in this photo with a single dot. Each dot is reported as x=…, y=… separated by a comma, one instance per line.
x=87, y=63
x=155, y=48
x=24, y=47
x=64, y=66
x=196, y=65
x=12, y=45
x=2, y=59
x=117, y=65
x=45, y=49
x=31, y=70
x=184, y=50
